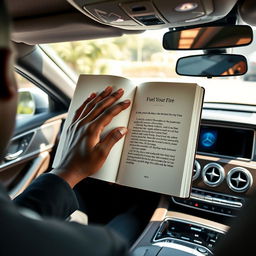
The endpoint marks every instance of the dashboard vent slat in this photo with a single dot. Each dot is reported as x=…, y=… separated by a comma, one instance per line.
x=239, y=179
x=196, y=170
x=213, y=174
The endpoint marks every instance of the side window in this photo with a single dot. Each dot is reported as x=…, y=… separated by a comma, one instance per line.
x=32, y=100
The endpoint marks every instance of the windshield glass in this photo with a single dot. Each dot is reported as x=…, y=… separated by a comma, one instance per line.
x=141, y=57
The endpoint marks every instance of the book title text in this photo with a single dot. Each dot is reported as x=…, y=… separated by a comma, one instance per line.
x=158, y=99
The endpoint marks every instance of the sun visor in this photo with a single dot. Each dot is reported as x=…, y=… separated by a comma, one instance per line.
x=61, y=28
x=247, y=11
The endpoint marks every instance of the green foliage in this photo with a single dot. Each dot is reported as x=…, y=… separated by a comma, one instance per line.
x=24, y=110
x=83, y=56
x=91, y=56
x=26, y=104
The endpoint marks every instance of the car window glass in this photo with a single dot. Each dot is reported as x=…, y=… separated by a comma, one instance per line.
x=142, y=58
x=133, y=56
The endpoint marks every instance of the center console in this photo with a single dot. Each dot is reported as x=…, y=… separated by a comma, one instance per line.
x=175, y=233
x=193, y=235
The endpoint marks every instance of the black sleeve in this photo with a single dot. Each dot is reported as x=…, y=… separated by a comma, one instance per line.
x=22, y=235
x=50, y=196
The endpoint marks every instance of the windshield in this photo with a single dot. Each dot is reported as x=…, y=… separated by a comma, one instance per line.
x=141, y=57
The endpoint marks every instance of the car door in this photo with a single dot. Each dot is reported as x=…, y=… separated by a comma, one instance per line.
x=39, y=120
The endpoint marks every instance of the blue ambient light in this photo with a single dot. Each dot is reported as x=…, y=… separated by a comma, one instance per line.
x=208, y=139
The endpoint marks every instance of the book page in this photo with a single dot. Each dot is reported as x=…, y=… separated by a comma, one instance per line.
x=155, y=147
x=85, y=86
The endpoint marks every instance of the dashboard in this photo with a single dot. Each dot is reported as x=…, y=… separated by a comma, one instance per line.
x=224, y=177
x=225, y=165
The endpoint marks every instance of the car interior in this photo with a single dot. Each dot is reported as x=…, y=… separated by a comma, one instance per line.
x=225, y=161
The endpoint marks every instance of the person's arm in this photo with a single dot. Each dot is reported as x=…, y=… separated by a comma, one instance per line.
x=24, y=234
x=51, y=194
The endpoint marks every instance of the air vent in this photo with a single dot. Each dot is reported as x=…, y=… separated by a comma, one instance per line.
x=239, y=179
x=213, y=174
x=196, y=170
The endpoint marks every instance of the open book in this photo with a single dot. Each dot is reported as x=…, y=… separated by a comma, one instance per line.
x=163, y=123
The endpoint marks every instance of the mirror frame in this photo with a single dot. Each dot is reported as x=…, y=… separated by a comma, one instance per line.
x=243, y=57
x=206, y=48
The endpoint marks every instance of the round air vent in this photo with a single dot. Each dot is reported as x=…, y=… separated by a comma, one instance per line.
x=239, y=179
x=196, y=170
x=213, y=174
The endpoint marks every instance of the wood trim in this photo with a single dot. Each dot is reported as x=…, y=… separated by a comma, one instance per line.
x=161, y=211
x=197, y=220
x=227, y=164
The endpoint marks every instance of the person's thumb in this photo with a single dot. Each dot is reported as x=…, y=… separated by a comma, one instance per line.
x=112, y=138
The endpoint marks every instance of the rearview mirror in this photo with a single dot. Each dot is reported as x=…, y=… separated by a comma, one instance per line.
x=208, y=38
x=212, y=65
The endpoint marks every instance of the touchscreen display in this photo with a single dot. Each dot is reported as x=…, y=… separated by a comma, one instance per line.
x=225, y=141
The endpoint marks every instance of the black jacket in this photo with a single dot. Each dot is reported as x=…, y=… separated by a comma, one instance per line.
x=46, y=232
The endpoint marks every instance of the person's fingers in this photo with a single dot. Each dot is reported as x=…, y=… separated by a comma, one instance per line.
x=94, y=129
x=97, y=99
x=110, y=113
x=103, y=148
x=82, y=107
x=104, y=104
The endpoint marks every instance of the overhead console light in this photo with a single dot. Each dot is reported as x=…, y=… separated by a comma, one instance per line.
x=186, y=7
x=153, y=14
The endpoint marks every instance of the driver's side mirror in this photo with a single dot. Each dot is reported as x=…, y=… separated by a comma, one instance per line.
x=26, y=103
x=31, y=101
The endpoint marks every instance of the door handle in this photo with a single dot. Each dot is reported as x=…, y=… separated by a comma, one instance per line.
x=13, y=156
x=18, y=147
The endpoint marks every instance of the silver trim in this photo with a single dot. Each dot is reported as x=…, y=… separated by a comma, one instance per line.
x=213, y=201
x=26, y=155
x=213, y=174
x=248, y=183
x=230, y=107
x=204, y=210
x=183, y=248
x=216, y=201
x=224, y=115
x=197, y=169
x=186, y=222
x=13, y=156
x=224, y=156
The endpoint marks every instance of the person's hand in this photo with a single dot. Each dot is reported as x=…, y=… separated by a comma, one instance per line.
x=86, y=149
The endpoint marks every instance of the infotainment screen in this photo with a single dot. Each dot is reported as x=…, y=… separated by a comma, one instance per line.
x=225, y=141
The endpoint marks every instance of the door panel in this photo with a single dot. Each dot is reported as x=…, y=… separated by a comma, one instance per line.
x=32, y=147
x=38, y=165
x=28, y=155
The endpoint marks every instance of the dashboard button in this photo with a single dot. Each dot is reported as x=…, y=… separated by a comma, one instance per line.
x=197, y=241
x=185, y=238
x=202, y=250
